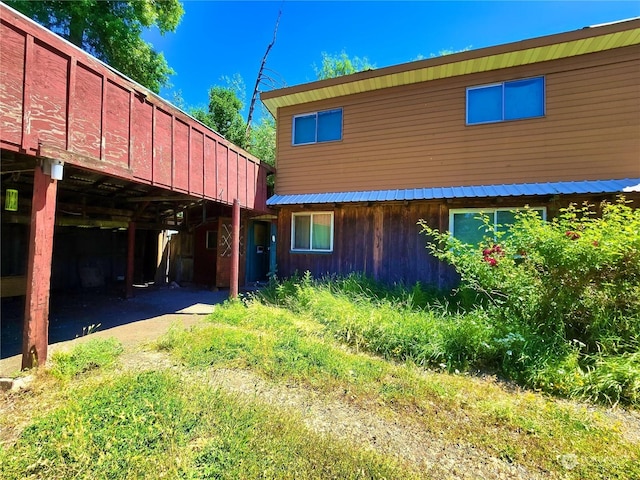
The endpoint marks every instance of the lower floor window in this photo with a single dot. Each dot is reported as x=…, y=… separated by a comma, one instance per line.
x=312, y=232
x=467, y=225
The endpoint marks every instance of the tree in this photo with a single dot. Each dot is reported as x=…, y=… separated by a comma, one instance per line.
x=263, y=141
x=338, y=65
x=223, y=114
x=110, y=30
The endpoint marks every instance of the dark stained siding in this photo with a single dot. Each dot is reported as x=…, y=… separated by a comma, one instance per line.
x=357, y=234
x=416, y=136
x=392, y=250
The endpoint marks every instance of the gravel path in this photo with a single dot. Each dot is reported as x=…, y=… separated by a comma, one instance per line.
x=323, y=414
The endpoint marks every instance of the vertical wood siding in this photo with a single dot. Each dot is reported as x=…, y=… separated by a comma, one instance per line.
x=58, y=101
x=415, y=135
x=382, y=241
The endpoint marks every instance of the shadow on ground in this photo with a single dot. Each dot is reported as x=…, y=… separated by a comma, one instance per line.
x=70, y=313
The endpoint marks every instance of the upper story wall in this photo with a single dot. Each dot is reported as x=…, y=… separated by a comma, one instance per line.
x=416, y=135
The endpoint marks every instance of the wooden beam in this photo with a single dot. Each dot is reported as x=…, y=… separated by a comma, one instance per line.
x=161, y=198
x=235, y=249
x=35, y=337
x=89, y=223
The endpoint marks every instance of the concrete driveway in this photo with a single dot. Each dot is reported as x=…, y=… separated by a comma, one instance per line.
x=137, y=320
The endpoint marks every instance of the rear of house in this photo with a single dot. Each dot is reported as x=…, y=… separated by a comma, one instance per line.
x=362, y=158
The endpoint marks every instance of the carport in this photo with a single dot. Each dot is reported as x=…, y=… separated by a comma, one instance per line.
x=96, y=169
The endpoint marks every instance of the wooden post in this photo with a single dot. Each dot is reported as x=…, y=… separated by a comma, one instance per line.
x=35, y=337
x=235, y=249
x=131, y=250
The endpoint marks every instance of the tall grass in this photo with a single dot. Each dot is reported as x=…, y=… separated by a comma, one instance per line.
x=436, y=331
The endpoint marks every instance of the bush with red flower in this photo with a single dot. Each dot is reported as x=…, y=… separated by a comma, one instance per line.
x=572, y=283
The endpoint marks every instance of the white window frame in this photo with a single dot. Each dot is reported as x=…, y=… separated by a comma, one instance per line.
x=490, y=211
x=310, y=249
x=293, y=126
x=502, y=84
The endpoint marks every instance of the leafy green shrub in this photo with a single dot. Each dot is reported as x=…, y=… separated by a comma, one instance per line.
x=95, y=353
x=567, y=293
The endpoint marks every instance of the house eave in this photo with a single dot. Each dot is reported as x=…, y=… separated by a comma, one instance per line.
x=542, y=49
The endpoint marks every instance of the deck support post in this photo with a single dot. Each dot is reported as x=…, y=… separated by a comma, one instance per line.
x=131, y=250
x=35, y=336
x=235, y=249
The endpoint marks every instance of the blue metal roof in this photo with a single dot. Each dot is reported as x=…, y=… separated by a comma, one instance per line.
x=474, y=191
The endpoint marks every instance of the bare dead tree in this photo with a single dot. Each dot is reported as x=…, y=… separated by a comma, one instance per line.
x=260, y=78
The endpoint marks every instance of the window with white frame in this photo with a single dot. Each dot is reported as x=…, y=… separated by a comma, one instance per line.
x=467, y=225
x=312, y=232
x=499, y=102
x=317, y=127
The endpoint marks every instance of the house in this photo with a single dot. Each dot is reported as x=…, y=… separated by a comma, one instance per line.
x=361, y=158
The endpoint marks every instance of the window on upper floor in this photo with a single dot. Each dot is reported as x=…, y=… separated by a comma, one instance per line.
x=312, y=232
x=499, y=102
x=317, y=127
x=467, y=225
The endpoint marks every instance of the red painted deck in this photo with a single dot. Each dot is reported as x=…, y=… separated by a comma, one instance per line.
x=57, y=101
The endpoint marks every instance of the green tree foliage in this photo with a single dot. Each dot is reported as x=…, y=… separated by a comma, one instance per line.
x=111, y=31
x=337, y=65
x=263, y=140
x=224, y=116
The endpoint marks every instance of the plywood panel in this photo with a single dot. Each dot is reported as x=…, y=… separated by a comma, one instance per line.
x=86, y=109
x=11, y=83
x=223, y=173
x=142, y=159
x=210, y=185
x=48, y=102
x=116, y=128
x=416, y=136
x=251, y=183
x=163, y=148
x=196, y=164
x=242, y=180
x=181, y=155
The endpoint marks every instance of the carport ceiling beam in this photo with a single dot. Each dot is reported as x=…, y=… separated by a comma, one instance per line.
x=180, y=198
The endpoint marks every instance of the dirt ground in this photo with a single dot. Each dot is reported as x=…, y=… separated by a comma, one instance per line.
x=135, y=321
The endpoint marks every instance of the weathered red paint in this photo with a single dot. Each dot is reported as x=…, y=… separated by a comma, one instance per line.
x=56, y=96
x=235, y=249
x=131, y=250
x=36, y=315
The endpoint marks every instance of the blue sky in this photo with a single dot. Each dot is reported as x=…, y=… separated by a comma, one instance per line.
x=217, y=39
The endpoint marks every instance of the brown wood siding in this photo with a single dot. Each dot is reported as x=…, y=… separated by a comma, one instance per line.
x=415, y=136
x=384, y=241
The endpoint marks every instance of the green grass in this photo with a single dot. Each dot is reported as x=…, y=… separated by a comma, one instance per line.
x=517, y=426
x=92, y=354
x=157, y=425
